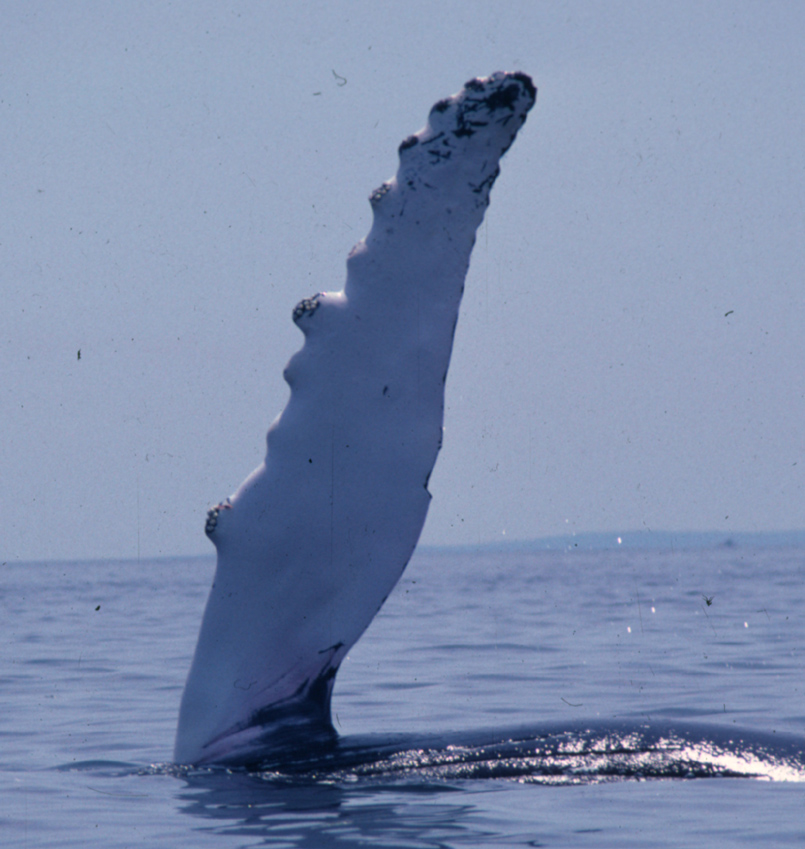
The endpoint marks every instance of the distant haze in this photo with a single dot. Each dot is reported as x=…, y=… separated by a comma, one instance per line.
x=176, y=177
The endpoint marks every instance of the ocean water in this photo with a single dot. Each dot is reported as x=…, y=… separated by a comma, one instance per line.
x=571, y=649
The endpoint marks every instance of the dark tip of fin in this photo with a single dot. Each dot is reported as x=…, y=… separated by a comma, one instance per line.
x=527, y=82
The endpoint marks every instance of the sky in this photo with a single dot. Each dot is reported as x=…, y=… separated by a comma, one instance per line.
x=176, y=176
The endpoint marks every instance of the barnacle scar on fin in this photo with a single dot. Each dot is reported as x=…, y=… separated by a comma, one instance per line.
x=212, y=516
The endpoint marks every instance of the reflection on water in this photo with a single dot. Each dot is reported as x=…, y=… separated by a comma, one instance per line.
x=322, y=814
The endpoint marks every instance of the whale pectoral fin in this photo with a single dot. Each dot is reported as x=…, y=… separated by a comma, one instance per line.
x=312, y=543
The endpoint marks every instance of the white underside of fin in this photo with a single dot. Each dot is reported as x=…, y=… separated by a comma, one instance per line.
x=315, y=539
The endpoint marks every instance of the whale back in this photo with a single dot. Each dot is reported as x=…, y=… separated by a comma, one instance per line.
x=314, y=540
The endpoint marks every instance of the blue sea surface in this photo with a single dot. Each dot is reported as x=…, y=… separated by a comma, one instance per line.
x=94, y=656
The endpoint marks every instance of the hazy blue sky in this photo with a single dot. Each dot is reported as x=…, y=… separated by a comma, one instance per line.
x=176, y=176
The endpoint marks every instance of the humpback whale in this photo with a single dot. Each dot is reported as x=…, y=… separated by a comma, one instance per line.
x=312, y=543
